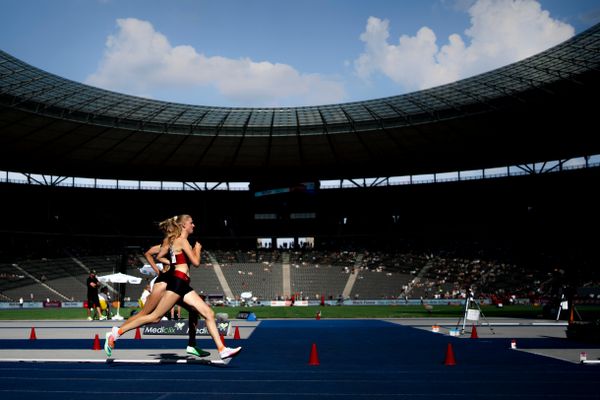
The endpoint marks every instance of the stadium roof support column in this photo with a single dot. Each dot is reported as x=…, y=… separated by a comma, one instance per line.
x=352, y=277
x=221, y=277
x=285, y=271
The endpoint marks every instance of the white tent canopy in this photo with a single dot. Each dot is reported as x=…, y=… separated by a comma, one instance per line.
x=119, y=278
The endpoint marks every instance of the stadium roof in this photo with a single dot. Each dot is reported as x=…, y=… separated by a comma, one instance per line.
x=542, y=108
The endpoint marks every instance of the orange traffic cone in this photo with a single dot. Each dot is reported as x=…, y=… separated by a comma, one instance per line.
x=138, y=334
x=474, y=332
x=449, y=356
x=222, y=339
x=571, y=317
x=314, y=357
x=32, y=335
x=236, y=335
x=96, y=343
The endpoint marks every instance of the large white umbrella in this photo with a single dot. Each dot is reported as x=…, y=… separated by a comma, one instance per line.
x=119, y=278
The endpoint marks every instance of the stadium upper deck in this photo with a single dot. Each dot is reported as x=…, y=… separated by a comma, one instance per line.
x=535, y=110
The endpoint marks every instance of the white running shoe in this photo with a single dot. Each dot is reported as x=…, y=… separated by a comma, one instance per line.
x=115, y=332
x=89, y=318
x=102, y=318
x=109, y=343
x=229, y=352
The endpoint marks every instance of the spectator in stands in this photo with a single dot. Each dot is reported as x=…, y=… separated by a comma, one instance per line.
x=92, y=296
x=176, y=315
x=144, y=296
x=178, y=288
x=105, y=301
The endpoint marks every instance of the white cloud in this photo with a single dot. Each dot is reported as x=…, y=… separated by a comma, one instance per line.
x=501, y=32
x=140, y=60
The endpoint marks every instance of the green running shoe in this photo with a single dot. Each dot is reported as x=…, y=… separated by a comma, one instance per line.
x=196, y=351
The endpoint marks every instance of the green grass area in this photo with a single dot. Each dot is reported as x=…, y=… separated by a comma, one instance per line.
x=518, y=311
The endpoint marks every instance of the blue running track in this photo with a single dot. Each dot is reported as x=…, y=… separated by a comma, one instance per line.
x=359, y=359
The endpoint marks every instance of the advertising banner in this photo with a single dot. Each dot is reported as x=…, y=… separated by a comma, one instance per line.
x=12, y=304
x=33, y=304
x=181, y=328
x=288, y=303
x=72, y=304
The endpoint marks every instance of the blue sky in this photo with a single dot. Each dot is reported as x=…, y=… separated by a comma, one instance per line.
x=271, y=53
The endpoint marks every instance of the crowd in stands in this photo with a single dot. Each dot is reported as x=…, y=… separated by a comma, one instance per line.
x=10, y=276
x=247, y=256
x=316, y=257
x=380, y=274
x=450, y=278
